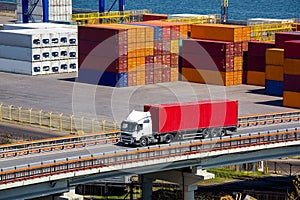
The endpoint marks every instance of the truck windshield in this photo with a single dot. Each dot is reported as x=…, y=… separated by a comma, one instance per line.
x=128, y=126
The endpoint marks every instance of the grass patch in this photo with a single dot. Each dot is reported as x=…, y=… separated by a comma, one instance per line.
x=233, y=174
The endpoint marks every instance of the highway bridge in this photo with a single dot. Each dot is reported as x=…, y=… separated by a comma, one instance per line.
x=56, y=170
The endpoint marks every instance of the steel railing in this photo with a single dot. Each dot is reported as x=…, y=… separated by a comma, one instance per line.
x=61, y=143
x=117, y=158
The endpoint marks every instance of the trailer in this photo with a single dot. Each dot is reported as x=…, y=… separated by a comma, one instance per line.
x=163, y=123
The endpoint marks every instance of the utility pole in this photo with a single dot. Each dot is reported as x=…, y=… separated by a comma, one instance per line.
x=224, y=11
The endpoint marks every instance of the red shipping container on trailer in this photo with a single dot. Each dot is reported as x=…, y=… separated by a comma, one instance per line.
x=204, y=47
x=256, y=48
x=193, y=115
x=292, y=49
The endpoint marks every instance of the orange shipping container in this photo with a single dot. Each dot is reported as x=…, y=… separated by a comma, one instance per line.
x=274, y=56
x=291, y=66
x=229, y=33
x=256, y=78
x=274, y=72
x=246, y=33
x=132, y=64
x=291, y=99
x=207, y=76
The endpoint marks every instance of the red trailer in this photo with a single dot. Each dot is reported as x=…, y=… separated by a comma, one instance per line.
x=192, y=120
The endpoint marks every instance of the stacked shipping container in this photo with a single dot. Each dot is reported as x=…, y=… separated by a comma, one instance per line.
x=274, y=71
x=212, y=57
x=141, y=53
x=291, y=94
x=256, y=66
x=38, y=51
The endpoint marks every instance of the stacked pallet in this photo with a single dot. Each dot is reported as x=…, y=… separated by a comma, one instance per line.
x=214, y=58
x=38, y=51
x=274, y=71
x=291, y=94
x=256, y=66
x=129, y=54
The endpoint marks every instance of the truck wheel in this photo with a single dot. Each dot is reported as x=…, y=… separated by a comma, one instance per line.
x=169, y=138
x=218, y=132
x=207, y=133
x=143, y=142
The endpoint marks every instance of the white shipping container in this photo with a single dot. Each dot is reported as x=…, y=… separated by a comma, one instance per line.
x=63, y=66
x=22, y=38
x=55, y=53
x=20, y=53
x=73, y=65
x=38, y=26
x=46, y=65
x=64, y=52
x=20, y=67
x=73, y=52
x=46, y=53
x=54, y=66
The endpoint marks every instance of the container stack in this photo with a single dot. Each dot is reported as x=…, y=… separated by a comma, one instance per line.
x=214, y=58
x=151, y=16
x=129, y=54
x=256, y=66
x=58, y=11
x=274, y=71
x=39, y=51
x=291, y=93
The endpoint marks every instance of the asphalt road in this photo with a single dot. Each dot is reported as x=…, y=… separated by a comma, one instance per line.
x=95, y=149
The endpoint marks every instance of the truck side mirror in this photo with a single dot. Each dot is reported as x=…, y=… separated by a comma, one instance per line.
x=140, y=127
x=146, y=121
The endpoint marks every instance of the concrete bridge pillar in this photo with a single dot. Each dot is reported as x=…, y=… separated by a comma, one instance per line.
x=187, y=181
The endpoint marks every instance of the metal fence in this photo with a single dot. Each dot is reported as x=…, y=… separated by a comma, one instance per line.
x=61, y=122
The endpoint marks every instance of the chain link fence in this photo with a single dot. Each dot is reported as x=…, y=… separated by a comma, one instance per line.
x=61, y=122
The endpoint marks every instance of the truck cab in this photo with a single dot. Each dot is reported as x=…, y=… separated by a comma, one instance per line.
x=137, y=128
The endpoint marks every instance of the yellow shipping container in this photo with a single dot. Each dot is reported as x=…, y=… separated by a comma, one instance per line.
x=256, y=78
x=174, y=46
x=207, y=76
x=238, y=63
x=174, y=74
x=291, y=99
x=274, y=72
x=291, y=66
x=274, y=56
x=229, y=33
x=246, y=33
x=238, y=77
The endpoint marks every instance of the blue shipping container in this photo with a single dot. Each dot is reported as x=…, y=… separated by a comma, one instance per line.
x=98, y=77
x=274, y=88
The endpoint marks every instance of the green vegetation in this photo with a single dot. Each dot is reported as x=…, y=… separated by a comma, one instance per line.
x=225, y=174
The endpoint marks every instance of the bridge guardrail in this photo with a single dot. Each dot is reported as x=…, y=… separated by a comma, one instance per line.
x=144, y=154
x=51, y=144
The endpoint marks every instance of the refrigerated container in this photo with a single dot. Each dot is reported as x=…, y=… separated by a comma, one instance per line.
x=64, y=66
x=20, y=67
x=20, y=53
x=21, y=38
x=73, y=65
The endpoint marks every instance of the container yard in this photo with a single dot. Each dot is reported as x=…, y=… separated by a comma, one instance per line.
x=191, y=76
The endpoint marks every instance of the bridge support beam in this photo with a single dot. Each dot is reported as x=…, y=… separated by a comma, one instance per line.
x=186, y=180
x=69, y=196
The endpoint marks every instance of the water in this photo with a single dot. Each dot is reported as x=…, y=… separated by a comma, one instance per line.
x=238, y=9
